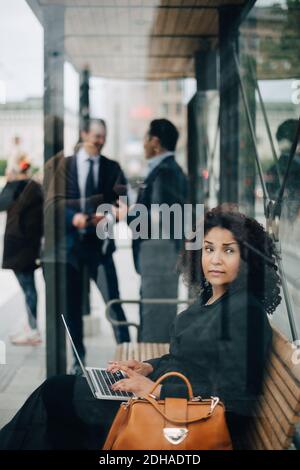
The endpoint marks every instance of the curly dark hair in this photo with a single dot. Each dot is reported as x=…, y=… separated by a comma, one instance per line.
x=258, y=270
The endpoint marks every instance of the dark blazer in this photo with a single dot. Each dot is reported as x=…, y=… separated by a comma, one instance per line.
x=165, y=184
x=111, y=184
x=222, y=348
x=23, y=201
x=63, y=197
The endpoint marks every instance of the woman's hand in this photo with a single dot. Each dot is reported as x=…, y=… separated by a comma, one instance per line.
x=142, y=368
x=136, y=383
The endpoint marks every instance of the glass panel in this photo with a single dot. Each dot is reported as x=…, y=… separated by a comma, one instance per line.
x=269, y=41
x=61, y=65
x=109, y=111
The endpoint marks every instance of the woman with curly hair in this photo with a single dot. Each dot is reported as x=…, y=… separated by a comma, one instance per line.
x=221, y=343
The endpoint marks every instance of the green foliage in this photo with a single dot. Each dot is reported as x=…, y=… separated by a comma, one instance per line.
x=3, y=164
x=35, y=169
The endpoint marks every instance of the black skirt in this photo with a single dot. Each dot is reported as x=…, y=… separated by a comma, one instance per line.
x=63, y=414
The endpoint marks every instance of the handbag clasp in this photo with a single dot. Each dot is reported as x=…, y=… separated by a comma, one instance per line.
x=175, y=435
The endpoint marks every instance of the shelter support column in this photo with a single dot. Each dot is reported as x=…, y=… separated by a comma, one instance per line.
x=54, y=189
x=229, y=108
x=198, y=148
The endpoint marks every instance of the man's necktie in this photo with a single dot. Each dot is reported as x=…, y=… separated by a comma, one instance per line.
x=90, y=188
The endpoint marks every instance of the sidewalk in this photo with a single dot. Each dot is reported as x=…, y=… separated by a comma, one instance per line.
x=25, y=370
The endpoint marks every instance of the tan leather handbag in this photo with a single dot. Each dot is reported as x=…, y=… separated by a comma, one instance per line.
x=171, y=424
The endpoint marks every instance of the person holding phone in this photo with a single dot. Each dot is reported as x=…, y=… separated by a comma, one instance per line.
x=89, y=179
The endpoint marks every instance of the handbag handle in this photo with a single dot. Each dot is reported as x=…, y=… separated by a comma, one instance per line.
x=153, y=402
x=174, y=374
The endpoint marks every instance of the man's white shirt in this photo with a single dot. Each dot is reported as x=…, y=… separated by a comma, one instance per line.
x=155, y=161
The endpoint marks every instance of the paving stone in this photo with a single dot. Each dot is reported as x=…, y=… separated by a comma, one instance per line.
x=6, y=416
x=11, y=401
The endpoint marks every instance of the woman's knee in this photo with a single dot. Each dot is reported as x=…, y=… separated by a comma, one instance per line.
x=57, y=394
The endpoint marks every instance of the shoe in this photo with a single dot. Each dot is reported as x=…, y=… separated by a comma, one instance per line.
x=76, y=369
x=27, y=337
x=25, y=329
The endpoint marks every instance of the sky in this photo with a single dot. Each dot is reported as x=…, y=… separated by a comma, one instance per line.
x=21, y=51
x=21, y=59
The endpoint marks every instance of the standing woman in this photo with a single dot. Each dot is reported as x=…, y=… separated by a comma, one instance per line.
x=220, y=343
x=22, y=199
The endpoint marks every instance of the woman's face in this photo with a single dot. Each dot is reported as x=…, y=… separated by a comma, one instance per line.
x=220, y=257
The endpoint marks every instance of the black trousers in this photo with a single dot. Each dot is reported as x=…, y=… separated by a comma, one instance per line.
x=159, y=280
x=63, y=414
x=103, y=273
x=27, y=283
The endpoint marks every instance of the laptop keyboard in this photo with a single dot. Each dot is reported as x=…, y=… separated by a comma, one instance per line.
x=106, y=379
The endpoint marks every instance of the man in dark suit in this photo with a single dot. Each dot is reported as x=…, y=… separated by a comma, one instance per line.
x=285, y=135
x=90, y=180
x=155, y=259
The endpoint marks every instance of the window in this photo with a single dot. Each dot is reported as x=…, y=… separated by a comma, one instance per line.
x=165, y=109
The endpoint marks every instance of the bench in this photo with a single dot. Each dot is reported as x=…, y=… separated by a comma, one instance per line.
x=134, y=350
x=279, y=405
x=278, y=408
x=140, y=351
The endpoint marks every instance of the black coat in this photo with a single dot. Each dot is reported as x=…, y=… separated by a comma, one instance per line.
x=23, y=201
x=222, y=348
x=166, y=184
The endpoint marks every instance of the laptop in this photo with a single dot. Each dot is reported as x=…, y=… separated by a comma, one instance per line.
x=98, y=379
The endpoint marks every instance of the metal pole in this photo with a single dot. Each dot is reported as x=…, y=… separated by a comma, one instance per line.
x=84, y=98
x=205, y=63
x=263, y=108
x=270, y=209
x=54, y=219
x=140, y=302
x=212, y=153
x=229, y=109
x=252, y=132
